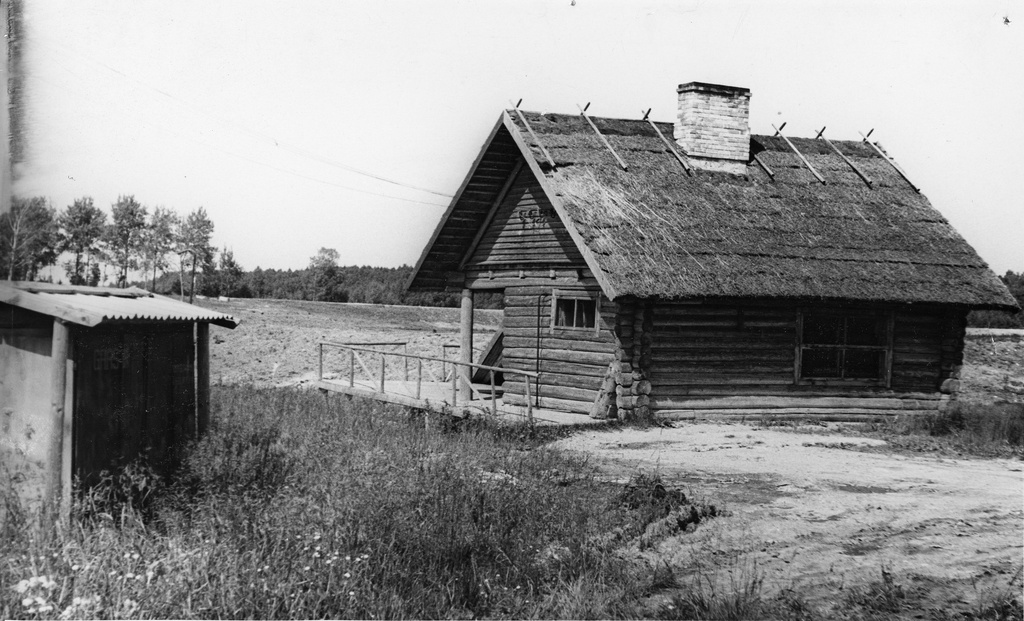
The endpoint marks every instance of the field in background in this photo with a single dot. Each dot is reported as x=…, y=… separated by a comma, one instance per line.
x=276, y=342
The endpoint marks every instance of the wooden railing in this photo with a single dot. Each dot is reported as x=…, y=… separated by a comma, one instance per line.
x=379, y=379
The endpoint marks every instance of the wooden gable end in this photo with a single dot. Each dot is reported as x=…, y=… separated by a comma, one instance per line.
x=524, y=229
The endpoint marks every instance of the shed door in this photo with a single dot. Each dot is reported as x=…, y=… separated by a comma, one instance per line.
x=134, y=396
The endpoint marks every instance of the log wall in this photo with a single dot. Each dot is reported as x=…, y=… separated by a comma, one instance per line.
x=739, y=358
x=572, y=363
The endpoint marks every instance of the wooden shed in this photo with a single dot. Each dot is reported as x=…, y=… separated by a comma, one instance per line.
x=691, y=267
x=92, y=377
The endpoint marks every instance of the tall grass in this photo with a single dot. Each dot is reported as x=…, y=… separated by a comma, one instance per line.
x=291, y=508
x=986, y=430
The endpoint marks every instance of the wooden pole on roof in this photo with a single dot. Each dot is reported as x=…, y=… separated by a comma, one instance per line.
x=778, y=132
x=864, y=178
x=522, y=117
x=891, y=161
x=764, y=167
x=668, y=145
x=583, y=113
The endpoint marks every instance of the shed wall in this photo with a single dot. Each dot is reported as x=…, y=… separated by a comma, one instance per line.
x=135, y=394
x=25, y=419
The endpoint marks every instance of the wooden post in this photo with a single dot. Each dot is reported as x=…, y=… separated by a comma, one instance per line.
x=351, y=368
x=320, y=365
x=58, y=385
x=382, y=368
x=465, y=371
x=494, y=398
x=202, y=377
x=405, y=359
x=455, y=385
x=419, y=377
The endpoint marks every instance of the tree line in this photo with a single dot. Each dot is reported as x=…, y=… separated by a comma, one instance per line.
x=174, y=255
x=34, y=235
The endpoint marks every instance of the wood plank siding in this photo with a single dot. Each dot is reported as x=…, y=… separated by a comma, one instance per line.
x=729, y=356
x=525, y=230
x=469, y=210
x=134, y=395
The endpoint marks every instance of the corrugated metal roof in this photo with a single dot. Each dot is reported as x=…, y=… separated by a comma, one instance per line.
x=91, y=306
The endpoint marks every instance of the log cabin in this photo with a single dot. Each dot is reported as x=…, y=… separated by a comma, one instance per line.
x=687, y=268
x=92, y=378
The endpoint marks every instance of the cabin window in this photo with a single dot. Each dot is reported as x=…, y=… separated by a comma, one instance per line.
x=574, y=310
x=846, y=347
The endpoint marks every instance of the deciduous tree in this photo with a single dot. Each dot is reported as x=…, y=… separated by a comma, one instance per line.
x=125, y=236
x=159, y=241
x=81, y=228
x=28, y=238
x=193, y=246
x=323, y=274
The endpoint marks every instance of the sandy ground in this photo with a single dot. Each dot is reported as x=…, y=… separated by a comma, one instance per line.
x=819, y=518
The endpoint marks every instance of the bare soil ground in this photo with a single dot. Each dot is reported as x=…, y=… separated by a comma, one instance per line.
x=819, y=519
x=810, y=510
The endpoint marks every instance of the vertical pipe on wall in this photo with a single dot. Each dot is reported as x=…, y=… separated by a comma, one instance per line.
x=58, y=397
x=202, y=377
x=464, y=371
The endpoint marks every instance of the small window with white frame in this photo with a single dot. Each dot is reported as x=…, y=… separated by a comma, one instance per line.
x=574, y=310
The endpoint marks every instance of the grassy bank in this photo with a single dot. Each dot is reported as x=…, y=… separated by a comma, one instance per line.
x=965, y=429
x=291, y=508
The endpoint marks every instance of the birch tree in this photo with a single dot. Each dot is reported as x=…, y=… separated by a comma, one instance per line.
x=125, y=236
x=194, y=247
x=28, y=238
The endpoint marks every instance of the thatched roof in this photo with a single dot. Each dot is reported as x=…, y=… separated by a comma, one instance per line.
x=654, y=230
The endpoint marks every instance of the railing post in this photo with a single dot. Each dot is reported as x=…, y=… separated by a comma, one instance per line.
x=382, y=372
x=455, y=385
x=406, y=359
x=320, y=366
x=419, y=376
x=494, y=398
x=351, y=367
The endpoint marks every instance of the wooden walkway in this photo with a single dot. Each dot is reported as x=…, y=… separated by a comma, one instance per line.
x=437, y=397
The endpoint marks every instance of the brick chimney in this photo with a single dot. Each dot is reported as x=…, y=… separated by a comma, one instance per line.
x=712, y=126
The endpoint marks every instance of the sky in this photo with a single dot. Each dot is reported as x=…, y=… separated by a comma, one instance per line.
x=348, y=125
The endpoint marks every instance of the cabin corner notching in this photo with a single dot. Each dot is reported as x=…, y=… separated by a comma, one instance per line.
x=767, y=279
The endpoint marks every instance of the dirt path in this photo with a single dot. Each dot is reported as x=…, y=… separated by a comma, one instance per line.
x=818, y=518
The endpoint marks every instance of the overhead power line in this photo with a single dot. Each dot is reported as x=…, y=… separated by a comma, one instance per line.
x=266, y=137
